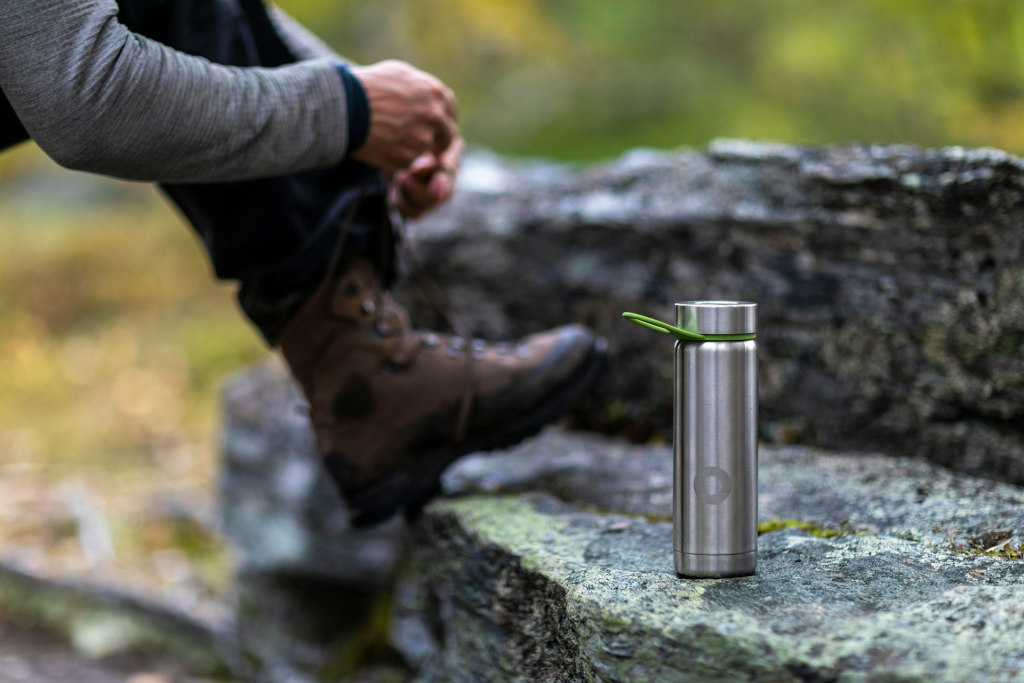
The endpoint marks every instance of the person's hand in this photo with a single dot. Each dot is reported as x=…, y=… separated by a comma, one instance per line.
x=411, y=114
x=428, y=182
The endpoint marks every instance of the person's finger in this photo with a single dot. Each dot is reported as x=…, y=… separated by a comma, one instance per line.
x=402, y=156
x=414, y=187
x=447, y=98
x=401, y=205
x=451, y=104
x=416, y=192
x=415, y=195
x=452, y=157
x=424, y=165
x=445, y=133
x=406, y=206
x=442, y=186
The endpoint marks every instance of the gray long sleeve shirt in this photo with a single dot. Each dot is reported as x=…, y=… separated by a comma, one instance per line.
x=99, y=98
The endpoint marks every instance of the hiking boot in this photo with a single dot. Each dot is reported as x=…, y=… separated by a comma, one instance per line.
x=392, y=407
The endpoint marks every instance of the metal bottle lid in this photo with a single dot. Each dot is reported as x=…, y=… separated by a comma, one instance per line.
x=717, y=317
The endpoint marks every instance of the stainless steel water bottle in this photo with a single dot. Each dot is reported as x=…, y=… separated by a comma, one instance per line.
x=714, y=507
x=714, y=492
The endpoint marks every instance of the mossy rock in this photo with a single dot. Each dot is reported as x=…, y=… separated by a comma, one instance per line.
x=553, y=563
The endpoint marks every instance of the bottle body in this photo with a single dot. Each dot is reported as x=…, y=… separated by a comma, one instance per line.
x=715, y=444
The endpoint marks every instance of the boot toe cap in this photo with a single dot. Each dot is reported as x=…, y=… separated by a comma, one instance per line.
x=555, y=359
x=565, y=348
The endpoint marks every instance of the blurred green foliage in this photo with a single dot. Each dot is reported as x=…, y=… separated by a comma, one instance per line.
x=586, y=79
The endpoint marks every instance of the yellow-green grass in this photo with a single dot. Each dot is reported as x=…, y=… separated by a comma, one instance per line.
x=113, y=341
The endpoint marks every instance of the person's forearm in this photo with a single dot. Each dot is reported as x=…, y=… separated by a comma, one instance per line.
x=98, y=98
x=301, y=41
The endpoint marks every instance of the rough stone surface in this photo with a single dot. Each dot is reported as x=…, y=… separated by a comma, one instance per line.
x=277, y=509
x=312, y=594
x=100, y=623
x=552, y=563
x=34, y=656
x=889, y=280
x=875, y=494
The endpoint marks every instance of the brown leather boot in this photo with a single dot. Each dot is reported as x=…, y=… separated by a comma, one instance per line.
x=392, y=407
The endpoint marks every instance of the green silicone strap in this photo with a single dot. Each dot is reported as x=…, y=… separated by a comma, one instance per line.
x=659, y=326
x=729, y=337
x=681, y=334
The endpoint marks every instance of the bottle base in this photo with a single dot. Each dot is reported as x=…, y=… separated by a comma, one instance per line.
x=696, y=566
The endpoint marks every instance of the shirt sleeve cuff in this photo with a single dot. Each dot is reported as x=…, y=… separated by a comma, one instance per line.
x=358, y=109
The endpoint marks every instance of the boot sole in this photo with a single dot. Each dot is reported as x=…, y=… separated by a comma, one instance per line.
x=413, y=488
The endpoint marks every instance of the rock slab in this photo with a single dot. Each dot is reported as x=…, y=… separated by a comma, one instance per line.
x=312, y=594
x=553, y=562
x=889, y=281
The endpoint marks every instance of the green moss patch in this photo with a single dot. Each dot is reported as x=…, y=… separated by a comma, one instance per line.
x=812, y=528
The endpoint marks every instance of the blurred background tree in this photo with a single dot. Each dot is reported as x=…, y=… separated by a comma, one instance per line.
x=586, y=79
x=113, y=336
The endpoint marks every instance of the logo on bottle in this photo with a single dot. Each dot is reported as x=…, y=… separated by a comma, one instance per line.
x=712, y=485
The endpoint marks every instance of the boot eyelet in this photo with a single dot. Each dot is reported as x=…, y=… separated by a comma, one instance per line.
x=368, y=307
x=456, y=346
x=479, y=348
x=431, y=341
x=522, y=352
